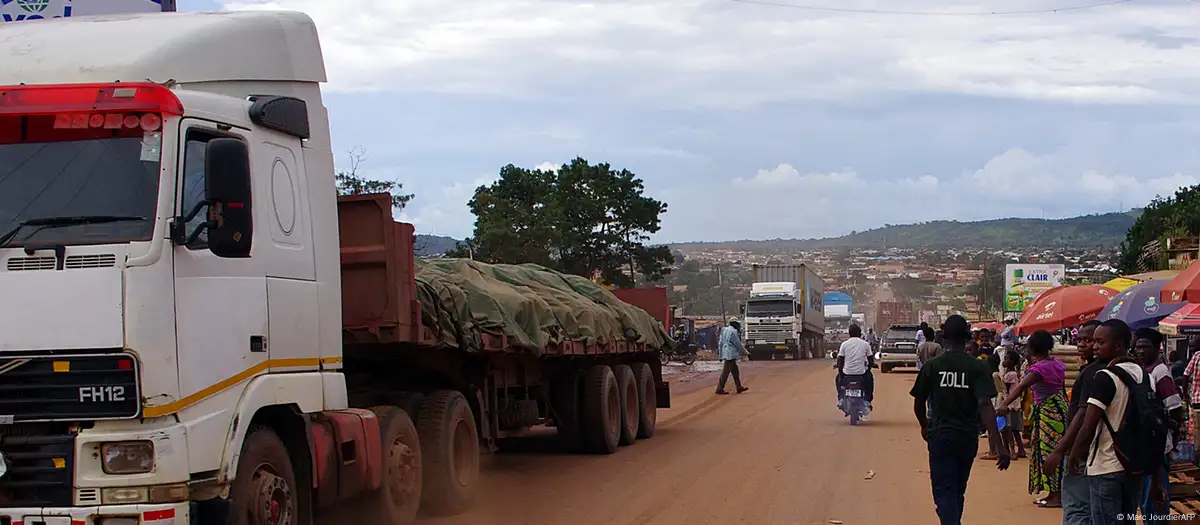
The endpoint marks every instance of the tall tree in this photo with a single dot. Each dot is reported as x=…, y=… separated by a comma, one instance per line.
x=579, y=219
x=1164, y=218
x=349, y=182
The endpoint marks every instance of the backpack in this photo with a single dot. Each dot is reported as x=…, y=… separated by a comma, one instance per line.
x=1142, y=438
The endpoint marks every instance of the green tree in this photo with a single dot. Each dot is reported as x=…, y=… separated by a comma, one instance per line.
x=351, y=183
x=579, y=219
x=1162, y=219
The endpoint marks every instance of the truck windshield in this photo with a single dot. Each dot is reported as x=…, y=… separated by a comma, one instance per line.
x=837, y=324
x=51, y=170
x=770, y=308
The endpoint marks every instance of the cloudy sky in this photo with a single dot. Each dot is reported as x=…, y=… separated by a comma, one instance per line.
x=757, y=121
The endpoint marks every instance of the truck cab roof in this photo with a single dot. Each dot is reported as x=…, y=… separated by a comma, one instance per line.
x=161, y=47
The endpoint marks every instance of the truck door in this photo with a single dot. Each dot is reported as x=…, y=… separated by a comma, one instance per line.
x=284, y=245
x=220, y=304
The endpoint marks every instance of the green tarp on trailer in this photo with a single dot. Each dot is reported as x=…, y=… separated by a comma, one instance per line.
x=531, y=305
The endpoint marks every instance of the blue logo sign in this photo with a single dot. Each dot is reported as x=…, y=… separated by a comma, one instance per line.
x=43, y=9
x=1151, y=305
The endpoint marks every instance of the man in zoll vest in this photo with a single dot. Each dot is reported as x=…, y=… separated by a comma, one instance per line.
x=958, y=390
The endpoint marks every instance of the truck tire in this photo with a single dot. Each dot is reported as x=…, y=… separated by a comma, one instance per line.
x=264, y=491
x=410, y=402
x=601, y=410
x=630, y=405
x=566, y=404
x=647, y=400
x=449, y=453
x=399, y=494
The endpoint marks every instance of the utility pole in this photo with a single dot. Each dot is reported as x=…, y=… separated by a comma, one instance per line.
x=721, y=289
x=983, y=289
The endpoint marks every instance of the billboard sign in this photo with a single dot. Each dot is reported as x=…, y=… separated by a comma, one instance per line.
x=21, y=10
x=1025, y=282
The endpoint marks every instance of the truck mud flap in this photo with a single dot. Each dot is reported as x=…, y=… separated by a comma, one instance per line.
x=663, y=393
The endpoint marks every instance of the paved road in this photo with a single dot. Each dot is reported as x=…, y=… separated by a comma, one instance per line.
x=780, y=453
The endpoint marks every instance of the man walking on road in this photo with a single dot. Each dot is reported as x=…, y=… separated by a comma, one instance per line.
x=728, y=351
x=961, y=390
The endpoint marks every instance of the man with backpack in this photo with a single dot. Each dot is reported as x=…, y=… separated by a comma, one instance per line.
x=1124, y=430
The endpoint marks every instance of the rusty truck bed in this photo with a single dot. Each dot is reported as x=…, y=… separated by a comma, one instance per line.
x=379, y=300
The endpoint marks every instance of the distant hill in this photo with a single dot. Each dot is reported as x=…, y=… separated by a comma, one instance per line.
x=433, y=245
x=1090, y=230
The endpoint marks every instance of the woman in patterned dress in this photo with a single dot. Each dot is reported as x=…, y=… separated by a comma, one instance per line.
x=1047, y=381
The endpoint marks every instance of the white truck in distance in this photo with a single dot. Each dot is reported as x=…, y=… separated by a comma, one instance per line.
x=784, y=314
x=198, y=330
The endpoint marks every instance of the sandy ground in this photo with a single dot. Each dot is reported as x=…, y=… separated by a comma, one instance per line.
x=778, y=454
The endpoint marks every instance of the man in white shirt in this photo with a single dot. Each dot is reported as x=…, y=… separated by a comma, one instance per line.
x=854, y=360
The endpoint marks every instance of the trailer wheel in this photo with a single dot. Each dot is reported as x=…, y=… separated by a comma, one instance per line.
x=647, y=400
x=566, y=407
x=630, y=405
x=601, y=410
x=264, y=491
x=399, y=494
x=449, y=452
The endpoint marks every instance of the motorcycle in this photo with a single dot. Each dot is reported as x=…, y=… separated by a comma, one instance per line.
x=853, y=403
x=683, y=353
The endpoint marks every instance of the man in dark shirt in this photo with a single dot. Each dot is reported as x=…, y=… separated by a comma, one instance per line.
x=1075, y=488
x=959, y=390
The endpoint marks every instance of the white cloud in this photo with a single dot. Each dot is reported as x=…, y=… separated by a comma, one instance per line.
x=546, y=166
x=725, y=54
x=443, y=211
x=785, y=202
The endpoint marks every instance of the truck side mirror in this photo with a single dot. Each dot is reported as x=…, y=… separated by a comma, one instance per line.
x=743, y=308
x=227, y=189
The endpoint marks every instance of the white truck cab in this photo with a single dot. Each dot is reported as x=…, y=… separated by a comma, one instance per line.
x=774, y=322
x=139, y=339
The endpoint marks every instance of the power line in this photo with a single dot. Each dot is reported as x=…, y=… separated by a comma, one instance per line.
x=933, y=13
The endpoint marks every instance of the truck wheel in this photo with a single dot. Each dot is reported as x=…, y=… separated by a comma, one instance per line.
x=647, y=400
x=601, y=410
x=264, y=491
x=566, y=411
x=399, y=495
x=449, y=452
x=410, y=402
x=627, y=387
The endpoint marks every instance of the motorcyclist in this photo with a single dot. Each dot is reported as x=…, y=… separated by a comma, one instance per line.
x=873, y=339
x=855, y=360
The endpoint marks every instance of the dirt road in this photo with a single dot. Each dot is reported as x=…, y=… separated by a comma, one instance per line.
x=778, y=454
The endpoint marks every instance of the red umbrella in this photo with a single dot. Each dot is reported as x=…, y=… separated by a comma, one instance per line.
x=1185, y=321
x=1184, y=287
x=1064, y=307
x=991, y=325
